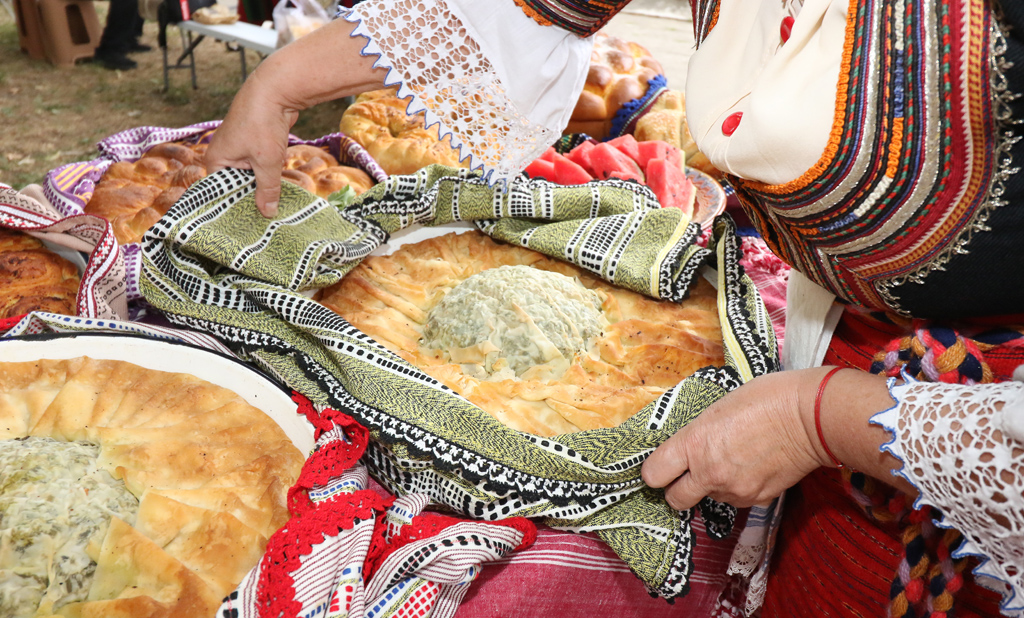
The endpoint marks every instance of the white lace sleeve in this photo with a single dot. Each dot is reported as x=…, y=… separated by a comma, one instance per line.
x=961, y=447
x=500, y=84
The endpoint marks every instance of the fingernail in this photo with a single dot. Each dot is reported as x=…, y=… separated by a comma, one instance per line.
x=270, y=209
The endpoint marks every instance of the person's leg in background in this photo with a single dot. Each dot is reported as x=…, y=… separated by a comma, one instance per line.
x=120, y=36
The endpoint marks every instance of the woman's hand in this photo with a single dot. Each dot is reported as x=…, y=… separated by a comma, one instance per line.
x=745, y=449
x=759, y=440
x=324, y=65
x=254, y=136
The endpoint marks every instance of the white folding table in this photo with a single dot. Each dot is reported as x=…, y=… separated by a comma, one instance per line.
x=240, y=34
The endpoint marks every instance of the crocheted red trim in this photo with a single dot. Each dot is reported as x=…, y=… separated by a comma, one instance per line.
x=275, y=589
x=329, y=460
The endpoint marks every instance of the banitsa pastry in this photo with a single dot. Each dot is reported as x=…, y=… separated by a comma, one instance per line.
x=541, y=345
x=131, y=493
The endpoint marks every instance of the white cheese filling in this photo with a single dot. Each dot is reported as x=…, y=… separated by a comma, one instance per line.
x=506, y=321
x=54, y=503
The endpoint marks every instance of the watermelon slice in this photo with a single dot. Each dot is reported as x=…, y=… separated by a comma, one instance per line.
x=580, y=155
x=541, y=169
x=674, y=190
x=549, y=155
x=658, y=149
x=569, y=173
x=628, y=145
x=605, y=159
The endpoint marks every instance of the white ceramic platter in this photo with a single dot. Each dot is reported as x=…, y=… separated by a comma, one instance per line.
x=221, y=370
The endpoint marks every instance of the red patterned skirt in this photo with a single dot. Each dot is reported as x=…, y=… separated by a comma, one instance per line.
x=831, y=557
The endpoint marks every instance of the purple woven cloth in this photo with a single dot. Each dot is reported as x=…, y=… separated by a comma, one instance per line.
x=70, y=187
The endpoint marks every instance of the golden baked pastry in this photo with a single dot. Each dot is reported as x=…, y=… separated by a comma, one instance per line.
x=165, y=485
x=400, y=143
x=33, y=278
x=666, y=121
x=541, y=345
x=619, y=72
x=134, y=195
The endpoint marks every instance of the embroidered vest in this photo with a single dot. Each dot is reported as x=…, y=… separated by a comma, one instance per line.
x=581, y=17
x=917, y=159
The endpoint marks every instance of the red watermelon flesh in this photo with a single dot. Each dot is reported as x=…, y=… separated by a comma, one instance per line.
x=580, y=155
x=549, y=154
x=569, y=173
x=541, y=169
x=674, y=190
x=628, y=146
x=605, y=159
x=658, y=149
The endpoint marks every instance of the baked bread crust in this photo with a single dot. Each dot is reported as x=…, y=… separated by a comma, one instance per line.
x=33, y=278
x=648, y=347
x=619, y=72
x=134, y=195
x=400, y=143
x=211, y=473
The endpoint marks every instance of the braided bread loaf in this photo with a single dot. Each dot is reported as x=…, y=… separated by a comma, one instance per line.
x=400, y=143
x=619, y=72
x=134, y=195
x=33, y=278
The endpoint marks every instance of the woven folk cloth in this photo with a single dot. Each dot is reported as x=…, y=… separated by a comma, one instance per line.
x=215, y=265
x=69, y=188
x=351, y=551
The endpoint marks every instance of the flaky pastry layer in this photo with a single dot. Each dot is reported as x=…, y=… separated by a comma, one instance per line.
x=211, y=473
x=648, y=347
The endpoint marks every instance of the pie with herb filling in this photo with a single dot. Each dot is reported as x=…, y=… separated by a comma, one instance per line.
x=543, y=346
x=129, y=492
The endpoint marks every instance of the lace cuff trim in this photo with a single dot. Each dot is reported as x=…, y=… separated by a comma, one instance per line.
x=957, y=449
x=432, y=58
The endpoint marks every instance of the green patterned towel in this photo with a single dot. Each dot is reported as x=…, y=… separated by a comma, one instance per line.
x=214, y=264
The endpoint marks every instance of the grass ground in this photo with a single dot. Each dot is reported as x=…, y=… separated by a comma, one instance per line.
x=50, y=116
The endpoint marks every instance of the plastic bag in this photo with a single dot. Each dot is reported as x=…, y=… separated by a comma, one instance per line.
x=295, y=18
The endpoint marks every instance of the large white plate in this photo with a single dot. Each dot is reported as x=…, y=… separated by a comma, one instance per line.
x=223, y=371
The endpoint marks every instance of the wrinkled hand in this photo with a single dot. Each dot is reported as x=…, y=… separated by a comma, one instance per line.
x=254, y=135
x=745, y=449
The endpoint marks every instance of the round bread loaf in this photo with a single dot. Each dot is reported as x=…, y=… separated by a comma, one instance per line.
x=134, y=195
x=400, y=143
x=619, y=72
x=542, y=358
x=209, y=474
x=33, y=278
x=337, y=177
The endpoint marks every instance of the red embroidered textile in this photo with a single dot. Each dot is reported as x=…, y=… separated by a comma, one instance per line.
x=831, y=560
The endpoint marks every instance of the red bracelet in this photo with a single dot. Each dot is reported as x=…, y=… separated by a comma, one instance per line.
x=817, y=415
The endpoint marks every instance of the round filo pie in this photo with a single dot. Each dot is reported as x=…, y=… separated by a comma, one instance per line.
x=543, y=346
x=130, y=492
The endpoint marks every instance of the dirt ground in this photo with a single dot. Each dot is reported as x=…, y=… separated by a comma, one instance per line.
x=51, y=116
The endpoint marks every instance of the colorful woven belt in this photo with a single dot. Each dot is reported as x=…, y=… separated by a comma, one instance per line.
x=582, y=17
